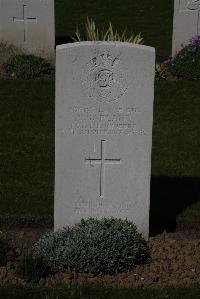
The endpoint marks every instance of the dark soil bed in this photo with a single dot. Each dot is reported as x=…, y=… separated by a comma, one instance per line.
x=175, y=261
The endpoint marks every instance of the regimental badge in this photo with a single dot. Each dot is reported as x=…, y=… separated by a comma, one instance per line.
x=104, y=79
x=193, y=5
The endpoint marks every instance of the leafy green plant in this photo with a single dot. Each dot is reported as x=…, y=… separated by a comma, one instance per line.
x=93, y=33
x=186, y=63
x=8, y=50
x=161, y=72
x=32, y=268
x=27, y=67
x=95, y=246
x=4, y=248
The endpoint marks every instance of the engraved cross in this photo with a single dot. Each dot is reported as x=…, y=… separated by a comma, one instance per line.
x=102, y=161
x=25, y=20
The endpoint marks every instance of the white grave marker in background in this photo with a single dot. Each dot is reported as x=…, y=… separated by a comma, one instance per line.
x=104, y=116
x=186, y=22
x=29, y=25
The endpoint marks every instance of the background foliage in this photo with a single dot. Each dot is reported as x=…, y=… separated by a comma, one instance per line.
x=153, y=19
x=93, y=33
x=27, y=67
x=186, y=63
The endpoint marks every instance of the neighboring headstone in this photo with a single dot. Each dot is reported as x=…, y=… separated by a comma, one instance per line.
x=29, y=25
x=186, y=22
x=104, y=115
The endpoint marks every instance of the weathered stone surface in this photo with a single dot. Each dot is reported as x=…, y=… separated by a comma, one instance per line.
x=104, y=115
x=29, y=25
x=186, y=22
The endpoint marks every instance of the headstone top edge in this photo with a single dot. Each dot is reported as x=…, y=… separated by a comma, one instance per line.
x=104, y=43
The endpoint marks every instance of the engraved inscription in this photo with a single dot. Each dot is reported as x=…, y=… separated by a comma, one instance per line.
x=125, y=207
x=25, y=21
x=81, y=207
x=98, y=121
x=102, y=161
x=103, y=78
x=98, y=207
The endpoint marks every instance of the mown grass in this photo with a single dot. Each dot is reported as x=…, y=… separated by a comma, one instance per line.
x=176, y=129
x=175, y=152
x=97, y=292
x=27, y=145
x=153, y=19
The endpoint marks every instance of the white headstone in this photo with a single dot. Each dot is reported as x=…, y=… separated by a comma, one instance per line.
x=29, y=25
x=104, y=115
x=186, y=22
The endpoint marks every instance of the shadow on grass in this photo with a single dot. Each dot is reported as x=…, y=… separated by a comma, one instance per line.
x=96, y=292
x=169, y=197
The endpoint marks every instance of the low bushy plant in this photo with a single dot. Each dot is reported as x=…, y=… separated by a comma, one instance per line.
x=161, y=72
x=27, y=67
x=93, y=33
x=4, y=248
x=95, y=246
x=8, y=50
x=186, y=63
x=32, y=268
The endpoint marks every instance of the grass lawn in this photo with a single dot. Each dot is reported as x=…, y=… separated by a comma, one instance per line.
x=27, y=146
x=152, y=18
x=176, y=131
x=175, y=188
x=97, y=292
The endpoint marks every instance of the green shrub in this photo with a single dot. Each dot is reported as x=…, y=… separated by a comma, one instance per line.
x=8, y=50
x=27, y=67
x=32, y=268
x=186, y=63
x=4, y=248
x=161, y=72
x=92, y=33
x=95, y=246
